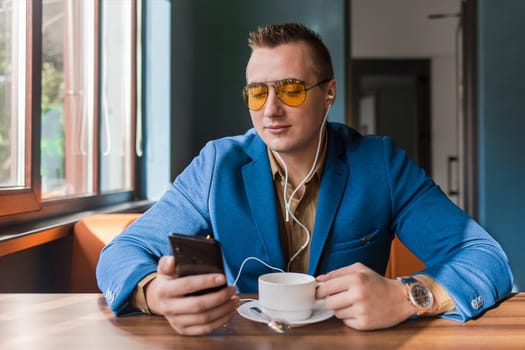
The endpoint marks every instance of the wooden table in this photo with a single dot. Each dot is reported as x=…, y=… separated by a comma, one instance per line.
x=83, y=321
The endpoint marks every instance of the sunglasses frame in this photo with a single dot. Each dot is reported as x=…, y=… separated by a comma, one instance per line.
x=245, y=94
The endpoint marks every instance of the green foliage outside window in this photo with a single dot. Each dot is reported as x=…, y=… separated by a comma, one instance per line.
x=52, y=141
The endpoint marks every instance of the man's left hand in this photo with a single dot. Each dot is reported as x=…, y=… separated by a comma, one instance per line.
x=363, y=299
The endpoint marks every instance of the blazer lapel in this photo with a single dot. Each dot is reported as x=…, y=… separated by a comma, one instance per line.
x=261, y=198
x=335, y=175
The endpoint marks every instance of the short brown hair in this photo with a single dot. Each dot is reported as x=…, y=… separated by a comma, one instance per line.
x=277, y=34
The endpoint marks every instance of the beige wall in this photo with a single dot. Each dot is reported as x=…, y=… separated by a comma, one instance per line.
x=401, y=29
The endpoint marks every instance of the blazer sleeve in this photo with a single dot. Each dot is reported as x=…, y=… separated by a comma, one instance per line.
x=135, y=252
x=458, y=253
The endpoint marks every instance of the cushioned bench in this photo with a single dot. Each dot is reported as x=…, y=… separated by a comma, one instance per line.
x=402, y=262
x=93, y=232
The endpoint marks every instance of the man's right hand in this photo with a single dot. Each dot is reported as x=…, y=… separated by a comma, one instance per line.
x=190, y=315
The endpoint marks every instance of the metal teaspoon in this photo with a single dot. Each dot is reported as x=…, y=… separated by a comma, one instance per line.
x=277, y=325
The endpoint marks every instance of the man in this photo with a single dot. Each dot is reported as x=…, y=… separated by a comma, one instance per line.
x=305, y=195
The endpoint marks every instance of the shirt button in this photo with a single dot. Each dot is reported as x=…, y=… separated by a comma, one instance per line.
x=477, y=303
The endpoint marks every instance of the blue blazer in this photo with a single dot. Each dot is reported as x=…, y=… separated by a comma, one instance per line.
x=369, y=192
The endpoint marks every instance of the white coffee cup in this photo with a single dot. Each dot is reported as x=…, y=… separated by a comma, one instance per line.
x=287, y=295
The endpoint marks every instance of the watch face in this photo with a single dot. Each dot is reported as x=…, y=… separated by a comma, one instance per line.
x=421, y=296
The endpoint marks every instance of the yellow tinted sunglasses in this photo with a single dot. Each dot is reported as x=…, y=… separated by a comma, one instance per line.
x=291, y=92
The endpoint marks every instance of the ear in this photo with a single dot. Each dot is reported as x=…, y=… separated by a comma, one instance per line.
x=330, y=97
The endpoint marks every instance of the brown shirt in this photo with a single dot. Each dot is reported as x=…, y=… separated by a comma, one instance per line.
x=303, y=207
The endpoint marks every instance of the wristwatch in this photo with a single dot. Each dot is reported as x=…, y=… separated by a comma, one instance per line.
x=419, y=296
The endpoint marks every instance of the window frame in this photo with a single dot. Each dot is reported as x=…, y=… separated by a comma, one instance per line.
x=28, y=198
x=22, y=205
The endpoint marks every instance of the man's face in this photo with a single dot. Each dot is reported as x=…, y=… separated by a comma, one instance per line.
x=291, y=131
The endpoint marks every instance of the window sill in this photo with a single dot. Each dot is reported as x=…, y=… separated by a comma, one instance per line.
x=20, y=237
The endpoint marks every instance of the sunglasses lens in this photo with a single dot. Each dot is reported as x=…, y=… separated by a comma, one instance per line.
x=291, y=92
x=255, y=96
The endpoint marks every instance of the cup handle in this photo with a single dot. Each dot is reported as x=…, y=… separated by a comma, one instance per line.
x=319, y=303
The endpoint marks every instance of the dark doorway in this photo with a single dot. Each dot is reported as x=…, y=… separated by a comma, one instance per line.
x=392, y=97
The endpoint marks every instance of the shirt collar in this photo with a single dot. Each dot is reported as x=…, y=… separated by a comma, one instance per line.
x=278, y=172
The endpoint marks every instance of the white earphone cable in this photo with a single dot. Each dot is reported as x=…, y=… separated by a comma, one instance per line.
x=257, y=259
x=288, y=202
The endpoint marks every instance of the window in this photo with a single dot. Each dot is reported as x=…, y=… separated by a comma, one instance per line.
x=67, y=105
x=68, y=101
x=116, y=92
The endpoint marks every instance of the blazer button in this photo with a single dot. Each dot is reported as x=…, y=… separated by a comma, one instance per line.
x=477, y=302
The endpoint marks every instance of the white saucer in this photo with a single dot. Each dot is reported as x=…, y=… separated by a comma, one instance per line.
x=318, y=314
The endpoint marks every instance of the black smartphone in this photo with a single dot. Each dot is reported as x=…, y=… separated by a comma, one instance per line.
x=196, y=255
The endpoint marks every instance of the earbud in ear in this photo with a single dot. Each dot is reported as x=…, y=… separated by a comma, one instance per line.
x=331, y=97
